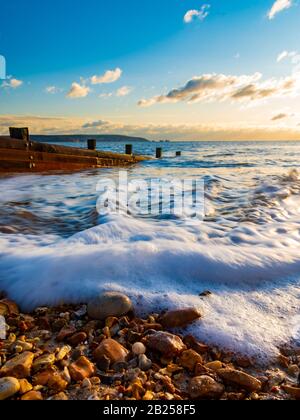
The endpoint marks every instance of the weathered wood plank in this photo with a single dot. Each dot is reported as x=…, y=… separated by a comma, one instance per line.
x=18, y=156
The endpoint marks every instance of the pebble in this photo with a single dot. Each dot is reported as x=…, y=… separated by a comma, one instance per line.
x=205, y=387
x=165, y=343
x=25, y=386
x=294, y=370
x=18, y=367
x=8, y=387
x=292, y=391
x=217, y=365
x=241, y=379
x=81, y=369
x=59, y=397
x=43, y=361
x=78, y=338
x=138, y=348
x=110, y=304
x=180, y=318
x=144, y=363
x=22, y=345
x=66, y=333
x=189, y=359
x=32, y=396
x=63, y=352
x=111, y=350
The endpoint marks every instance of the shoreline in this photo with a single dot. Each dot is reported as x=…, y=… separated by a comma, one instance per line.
x=66, y=353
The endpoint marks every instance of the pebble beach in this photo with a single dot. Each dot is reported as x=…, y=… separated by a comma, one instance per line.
x=102, y=351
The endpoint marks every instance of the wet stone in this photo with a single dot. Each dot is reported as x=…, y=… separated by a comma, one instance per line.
x=8, y=387
x=109, y=304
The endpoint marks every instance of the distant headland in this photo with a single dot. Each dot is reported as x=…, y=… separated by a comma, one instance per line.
x=78, y=138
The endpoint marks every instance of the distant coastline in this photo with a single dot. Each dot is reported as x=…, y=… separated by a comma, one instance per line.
x=79, y=138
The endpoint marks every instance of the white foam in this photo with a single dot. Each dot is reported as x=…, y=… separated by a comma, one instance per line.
x=163, y=265
x=253, y=269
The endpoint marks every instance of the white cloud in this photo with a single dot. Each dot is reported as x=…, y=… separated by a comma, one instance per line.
x=124, y=91
x=106, y=95
x=278, y=7
x=110, y=76
x=293, y=56
x=12, y=83
x=198, y=14
x=220, y=87
x=95, y=124
x=78, y=91
x=52, y=90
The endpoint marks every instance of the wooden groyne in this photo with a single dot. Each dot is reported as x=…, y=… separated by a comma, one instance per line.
x=19, y=154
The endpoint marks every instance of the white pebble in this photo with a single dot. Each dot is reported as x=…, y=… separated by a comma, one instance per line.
x=138, y=348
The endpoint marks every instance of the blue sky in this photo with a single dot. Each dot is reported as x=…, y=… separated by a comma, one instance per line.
x=227, y=50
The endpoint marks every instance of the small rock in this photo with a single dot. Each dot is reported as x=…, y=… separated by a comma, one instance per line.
x=43, y=361
x=275, y=378
x=138, y=348
x=206, y=293
x=283, y=361
x=217, y=365
x=57, y=383
x=23, y=345
x=81, y=369
x=8, y=307
x=65, y=333
x=109, y=304
x=32, y=396
x=86, y=383
x=180, y=318
x=8, y=387
x=51, y=378
x=241, y=379
x=144, y=363
x=192, y=343
x=294, y=370
x=292, y=391
x=189, y=359
x=118, y=367
x=19, y=367
x=63, y=352
x=205, y=387
x=112, y=350
x=59, y=397
x=165, y=343
x=78, y=338
x=25, y=386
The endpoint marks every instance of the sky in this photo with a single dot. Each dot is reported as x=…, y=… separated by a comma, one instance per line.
x=162, y=69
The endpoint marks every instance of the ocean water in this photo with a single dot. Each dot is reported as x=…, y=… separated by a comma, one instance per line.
x=55, y=247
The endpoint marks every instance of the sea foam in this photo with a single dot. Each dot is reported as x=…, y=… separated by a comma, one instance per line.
x=256, y=289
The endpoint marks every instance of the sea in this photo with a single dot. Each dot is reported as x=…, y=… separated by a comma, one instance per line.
x=57, y=247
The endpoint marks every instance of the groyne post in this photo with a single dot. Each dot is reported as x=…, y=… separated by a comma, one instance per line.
x=19, y=133
x=158, y=153
x=128, y=149
x=92, y=144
